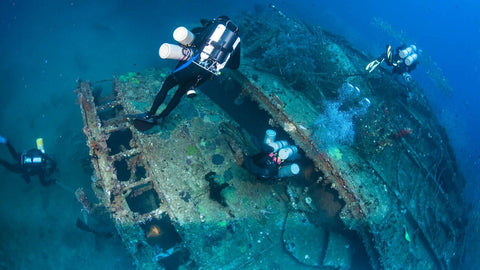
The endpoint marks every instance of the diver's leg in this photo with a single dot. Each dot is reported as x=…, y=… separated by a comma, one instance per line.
x=168, y=84
x=12, y=151
x=181, y=91
x=9, y=166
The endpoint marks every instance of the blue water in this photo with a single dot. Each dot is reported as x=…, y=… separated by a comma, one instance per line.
x=47, y=45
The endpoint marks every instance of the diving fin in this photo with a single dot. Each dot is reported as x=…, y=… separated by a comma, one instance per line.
x=3, y=140
x=141, y=123
x=373, y=65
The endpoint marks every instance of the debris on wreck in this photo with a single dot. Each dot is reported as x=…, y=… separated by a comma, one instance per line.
x=392, y=192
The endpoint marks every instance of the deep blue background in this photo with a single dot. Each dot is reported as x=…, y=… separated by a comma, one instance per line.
x=47, y=45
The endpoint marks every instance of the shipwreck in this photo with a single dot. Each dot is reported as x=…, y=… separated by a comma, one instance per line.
x=378, y=184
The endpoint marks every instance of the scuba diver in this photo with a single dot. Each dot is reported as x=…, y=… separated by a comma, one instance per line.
x=403, y=61
x=275, y=160
x=30, y=163
x=201, y=55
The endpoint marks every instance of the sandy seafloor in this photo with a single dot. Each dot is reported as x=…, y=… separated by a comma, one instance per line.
x=46, y=46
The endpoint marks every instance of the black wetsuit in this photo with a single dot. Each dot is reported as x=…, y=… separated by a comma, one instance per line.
x=262, y=165
x=188, y=75
x=31, y=163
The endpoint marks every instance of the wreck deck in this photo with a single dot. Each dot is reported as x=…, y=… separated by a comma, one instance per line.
x=158, y=181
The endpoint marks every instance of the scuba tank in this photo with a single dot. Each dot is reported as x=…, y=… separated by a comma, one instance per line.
x=407, y=51
x=183, y=36
x=409, y=55
x=290, y=170
x=40, y=145
x=269, y=140
x=175, y=52
x=270, y=135
x=222, y=41
x=411, y=59
x=220, y=44
x=214, y=53
x=289, y=152
x=181, y=53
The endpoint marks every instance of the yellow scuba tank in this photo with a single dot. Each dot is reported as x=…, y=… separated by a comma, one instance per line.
x=40, y=145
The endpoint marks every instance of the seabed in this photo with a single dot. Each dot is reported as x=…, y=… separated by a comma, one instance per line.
x=179, y=197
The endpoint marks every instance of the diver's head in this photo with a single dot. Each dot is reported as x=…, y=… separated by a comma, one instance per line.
x=223, y=18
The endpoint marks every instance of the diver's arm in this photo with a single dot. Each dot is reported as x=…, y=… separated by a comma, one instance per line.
x=15, y=155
